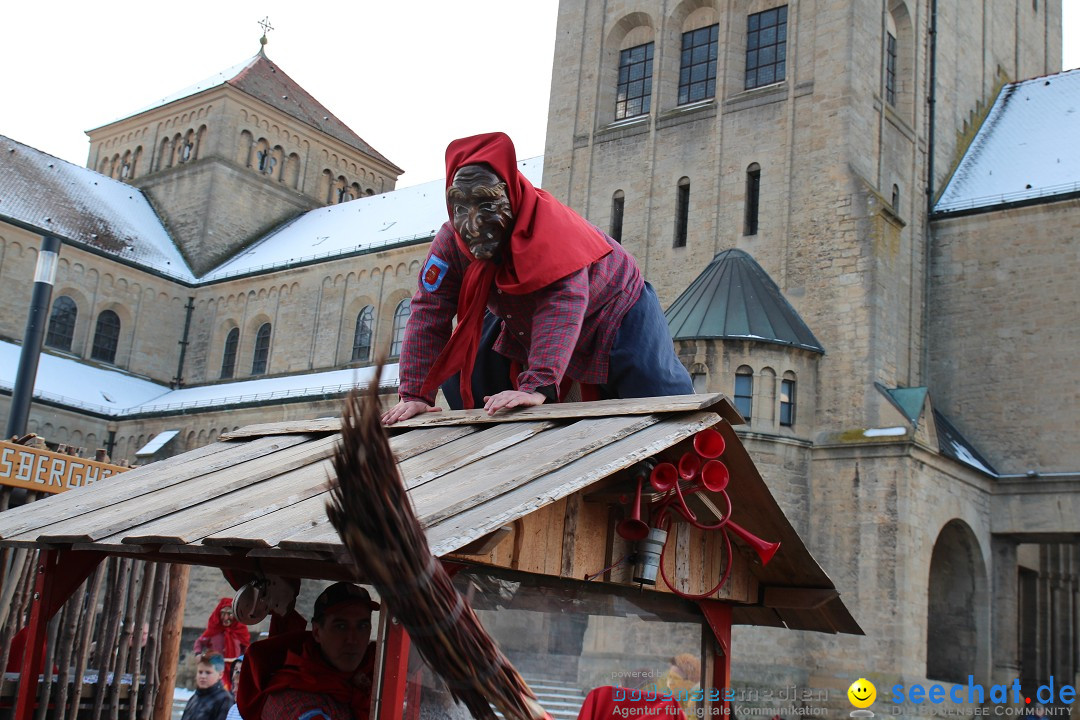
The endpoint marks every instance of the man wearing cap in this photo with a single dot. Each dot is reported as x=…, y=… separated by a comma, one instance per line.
x=326, y=673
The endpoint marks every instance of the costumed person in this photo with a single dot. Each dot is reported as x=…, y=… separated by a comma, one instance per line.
x=565, y=301
x=324, y=674
x=211, y=700
x=224, y=634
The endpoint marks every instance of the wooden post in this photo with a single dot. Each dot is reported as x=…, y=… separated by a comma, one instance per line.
x=169, y=655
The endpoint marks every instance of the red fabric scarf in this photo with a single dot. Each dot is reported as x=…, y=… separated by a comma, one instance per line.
x=308, y=672
x=549, y=241
x=237, y=637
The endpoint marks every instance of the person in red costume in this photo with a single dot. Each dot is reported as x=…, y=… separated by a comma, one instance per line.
x=324, y=674
x=224, y=635
x=565, y=300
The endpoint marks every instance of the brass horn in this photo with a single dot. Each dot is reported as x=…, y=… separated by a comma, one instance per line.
x=764, y=549
x=632, y=528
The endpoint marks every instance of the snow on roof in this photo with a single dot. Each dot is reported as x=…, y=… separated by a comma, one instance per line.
x=72, y=383
x=1023, y=150
x=219, y=78
x=156, y=443
x=80, y=385
x=395, y=217
x=76, y=204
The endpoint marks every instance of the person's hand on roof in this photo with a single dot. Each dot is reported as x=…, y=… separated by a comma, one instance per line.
x=511, y=399
x=405, y=410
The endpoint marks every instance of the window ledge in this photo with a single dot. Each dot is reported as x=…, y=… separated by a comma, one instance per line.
x=622, y=129
x=758, y=96
x=701, y=110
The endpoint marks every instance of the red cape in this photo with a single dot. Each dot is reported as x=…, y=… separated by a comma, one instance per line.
x=549, y=241
x=237, y=637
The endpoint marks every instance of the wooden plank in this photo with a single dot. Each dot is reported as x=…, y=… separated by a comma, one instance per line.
x=451, y=533
x=576, y=411
x=247, y=503
x=530, y=459
x=205, y=487
x=140, y=481
x=269, y=530
x=681, y=547
x=286, y=427
x=454, y=455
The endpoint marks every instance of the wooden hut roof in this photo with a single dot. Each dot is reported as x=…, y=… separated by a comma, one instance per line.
x=256, y=499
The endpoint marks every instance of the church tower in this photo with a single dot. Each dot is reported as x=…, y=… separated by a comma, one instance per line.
x=806, y=134
x=227, y=159
x=771, y=164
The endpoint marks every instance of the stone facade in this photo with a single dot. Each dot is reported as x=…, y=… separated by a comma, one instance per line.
x=978, y=308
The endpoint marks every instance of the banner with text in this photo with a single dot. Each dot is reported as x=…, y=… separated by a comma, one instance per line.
x=47, y=471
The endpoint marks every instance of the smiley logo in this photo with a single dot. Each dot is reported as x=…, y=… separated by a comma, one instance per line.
x=862, y=693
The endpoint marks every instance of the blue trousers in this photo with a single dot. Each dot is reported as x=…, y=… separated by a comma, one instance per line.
x=642, y=362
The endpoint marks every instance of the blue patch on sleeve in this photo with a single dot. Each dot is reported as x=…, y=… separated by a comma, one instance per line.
x=434, y=272
x=316, y=714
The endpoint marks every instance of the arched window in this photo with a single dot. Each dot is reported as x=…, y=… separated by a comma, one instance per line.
x=682, y=212
x=62, y=323
x=617, y=205
x=106, y=337
x=766, y=47
x=633, y=96
x=744, y=391
x=401, y=316
x=787, y=400
x=895, y=197
x=753, y=195
x=228, y=358
x=261, y=357
x=890, y=60
x=697, y=71
x=361, y=345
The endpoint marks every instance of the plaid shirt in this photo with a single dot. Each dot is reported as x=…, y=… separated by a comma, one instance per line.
x=567, y=328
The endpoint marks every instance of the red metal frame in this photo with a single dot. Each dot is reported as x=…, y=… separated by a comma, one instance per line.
x=718, y=615
x=58, y=574
x=395, y=672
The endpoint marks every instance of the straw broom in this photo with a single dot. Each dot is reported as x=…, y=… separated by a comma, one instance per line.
x=372, y=513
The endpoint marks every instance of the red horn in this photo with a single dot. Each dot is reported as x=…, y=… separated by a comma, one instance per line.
x=715, y=476
x=709, y=443
x=664, y=476
x=765, y=550
x=632, y=528
x=689, y=464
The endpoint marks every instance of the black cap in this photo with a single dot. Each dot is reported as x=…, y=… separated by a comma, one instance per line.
x=339, y=595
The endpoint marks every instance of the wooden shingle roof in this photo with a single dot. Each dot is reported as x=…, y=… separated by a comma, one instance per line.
x=256, y=499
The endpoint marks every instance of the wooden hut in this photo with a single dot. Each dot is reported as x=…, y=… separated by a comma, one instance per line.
x=525, y=507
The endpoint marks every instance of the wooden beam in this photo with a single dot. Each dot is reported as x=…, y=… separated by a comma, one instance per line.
x=798, y=598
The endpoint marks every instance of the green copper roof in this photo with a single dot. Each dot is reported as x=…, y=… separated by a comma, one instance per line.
x=735, y=298
x=908, y=400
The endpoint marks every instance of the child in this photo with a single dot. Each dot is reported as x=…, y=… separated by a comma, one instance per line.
x=211, y=700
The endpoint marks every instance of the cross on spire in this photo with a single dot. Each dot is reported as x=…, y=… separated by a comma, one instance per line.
x=266, y=27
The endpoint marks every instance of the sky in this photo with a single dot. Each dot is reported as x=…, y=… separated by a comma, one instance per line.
x=406, y=77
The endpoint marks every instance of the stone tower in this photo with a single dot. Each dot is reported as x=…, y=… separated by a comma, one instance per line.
x=229, y=158
x=810, y=137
